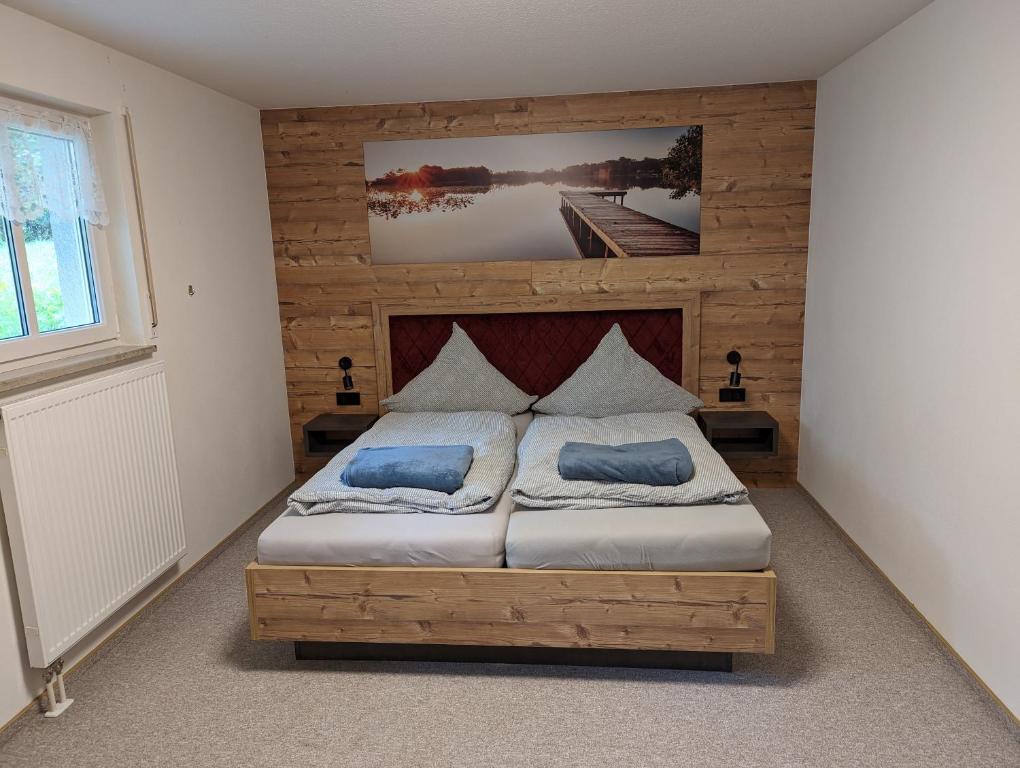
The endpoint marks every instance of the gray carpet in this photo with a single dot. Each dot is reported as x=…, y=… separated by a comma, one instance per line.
x=856, y=682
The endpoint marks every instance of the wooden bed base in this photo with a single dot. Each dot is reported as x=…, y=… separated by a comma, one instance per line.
x=636, y=610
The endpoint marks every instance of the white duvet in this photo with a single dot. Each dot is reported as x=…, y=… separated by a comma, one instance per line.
x=538, y=483
x=491, y=435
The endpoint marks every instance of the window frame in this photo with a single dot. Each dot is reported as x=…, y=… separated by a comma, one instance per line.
x=35, y=343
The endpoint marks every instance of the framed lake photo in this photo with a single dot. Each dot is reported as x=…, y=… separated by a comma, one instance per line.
x=629, y=193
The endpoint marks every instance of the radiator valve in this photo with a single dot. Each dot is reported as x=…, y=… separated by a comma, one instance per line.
x=56, y=695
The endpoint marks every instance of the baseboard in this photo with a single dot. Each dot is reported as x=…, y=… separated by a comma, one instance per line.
x=767, y=479
x=85, y=661
x=866, y=559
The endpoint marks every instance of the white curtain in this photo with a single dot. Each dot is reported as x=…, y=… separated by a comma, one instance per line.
x=28, y=189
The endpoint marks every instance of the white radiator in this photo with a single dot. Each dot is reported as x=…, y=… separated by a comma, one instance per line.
x=90, y=493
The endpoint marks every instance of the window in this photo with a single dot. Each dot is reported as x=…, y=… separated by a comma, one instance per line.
x=55, y=290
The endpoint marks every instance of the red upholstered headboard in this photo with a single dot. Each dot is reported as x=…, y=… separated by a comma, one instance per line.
x=537, y=351
x=537, y=340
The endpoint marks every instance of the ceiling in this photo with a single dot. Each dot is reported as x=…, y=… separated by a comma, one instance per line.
x=325, y=52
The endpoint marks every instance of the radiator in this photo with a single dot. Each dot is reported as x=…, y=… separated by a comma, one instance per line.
x=90, y=493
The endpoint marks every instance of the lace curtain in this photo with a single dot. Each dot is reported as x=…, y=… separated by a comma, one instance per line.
x=34, y=178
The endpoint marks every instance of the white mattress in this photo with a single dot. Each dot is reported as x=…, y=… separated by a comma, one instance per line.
x=341, y=538
x=710, y=537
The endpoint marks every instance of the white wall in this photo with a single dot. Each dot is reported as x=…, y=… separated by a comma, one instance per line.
x=910, y=422
x=200, y=155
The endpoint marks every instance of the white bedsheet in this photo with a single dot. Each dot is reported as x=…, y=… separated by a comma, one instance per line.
x=706, y=537
x=460, y=541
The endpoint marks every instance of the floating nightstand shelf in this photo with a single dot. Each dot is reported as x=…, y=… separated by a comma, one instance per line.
x=329, y=433
x=750, y=434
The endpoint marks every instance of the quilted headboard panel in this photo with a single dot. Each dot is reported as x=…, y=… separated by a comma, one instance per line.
x=537, y=351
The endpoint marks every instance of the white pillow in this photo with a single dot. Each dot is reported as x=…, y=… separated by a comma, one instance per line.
x=616, y=380
x=460, y=379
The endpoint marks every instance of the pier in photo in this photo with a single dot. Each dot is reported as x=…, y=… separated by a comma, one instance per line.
x=605, y=229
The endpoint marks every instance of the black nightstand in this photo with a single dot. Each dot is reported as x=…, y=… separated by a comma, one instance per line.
x=329, y=433
x=740, y=433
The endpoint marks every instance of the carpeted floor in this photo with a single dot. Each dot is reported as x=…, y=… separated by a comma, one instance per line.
x=856, y=681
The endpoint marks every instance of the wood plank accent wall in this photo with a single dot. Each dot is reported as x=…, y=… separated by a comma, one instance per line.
x=751, y=272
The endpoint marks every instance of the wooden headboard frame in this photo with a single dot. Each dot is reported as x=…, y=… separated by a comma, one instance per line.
x=688, y=302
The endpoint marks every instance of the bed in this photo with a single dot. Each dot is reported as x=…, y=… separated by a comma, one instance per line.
x=701, y=584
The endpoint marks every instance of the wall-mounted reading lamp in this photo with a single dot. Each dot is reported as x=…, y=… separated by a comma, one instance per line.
x=345, y=366
x=347, y=397
x=733, y=358
x=734, y=393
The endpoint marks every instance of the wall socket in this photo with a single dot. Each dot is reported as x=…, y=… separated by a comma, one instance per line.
x=732, y=394
x=348, y=398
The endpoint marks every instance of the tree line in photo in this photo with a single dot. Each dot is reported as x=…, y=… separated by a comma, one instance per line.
x=679, y=171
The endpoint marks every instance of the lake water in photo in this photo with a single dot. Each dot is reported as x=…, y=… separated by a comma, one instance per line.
x=498, y=223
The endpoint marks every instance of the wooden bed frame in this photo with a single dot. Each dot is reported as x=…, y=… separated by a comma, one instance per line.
x=635, y=610
x=695, y=611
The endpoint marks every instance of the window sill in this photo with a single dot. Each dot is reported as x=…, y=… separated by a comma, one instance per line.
x=42, y=374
